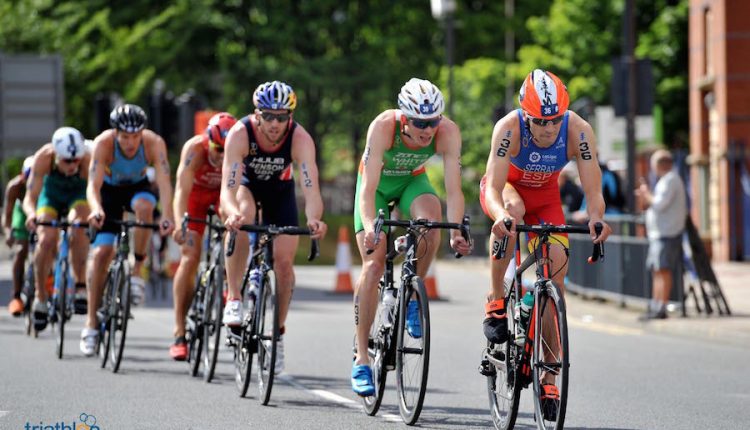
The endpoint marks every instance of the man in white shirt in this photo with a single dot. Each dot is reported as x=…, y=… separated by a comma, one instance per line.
x=665, y=223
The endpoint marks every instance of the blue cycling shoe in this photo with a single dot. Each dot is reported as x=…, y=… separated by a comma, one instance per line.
x=362, y=380
x=413, y=323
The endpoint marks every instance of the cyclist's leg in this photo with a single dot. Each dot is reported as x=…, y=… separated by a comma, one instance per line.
x=237, y=262
x=142, y=204
x=419, y=200
x=184, y=279
x=79, y=242
x=45, y=252
x=21, y=238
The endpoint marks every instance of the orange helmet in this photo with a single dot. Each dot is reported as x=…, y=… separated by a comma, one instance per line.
x=543, y=95
x=218, y=127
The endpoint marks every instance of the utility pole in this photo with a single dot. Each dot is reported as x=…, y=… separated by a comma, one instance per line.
x=632, y=94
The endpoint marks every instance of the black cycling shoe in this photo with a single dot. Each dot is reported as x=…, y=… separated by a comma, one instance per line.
x=496, y=329
x=80, y=303
x=40, y=320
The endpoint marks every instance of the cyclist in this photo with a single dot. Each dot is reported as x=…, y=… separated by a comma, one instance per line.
x=260, y=150
x=117, y=181
x=14, y=224
x=57, y=188
x=392, y=169
x=529, y=148
x=198, y=187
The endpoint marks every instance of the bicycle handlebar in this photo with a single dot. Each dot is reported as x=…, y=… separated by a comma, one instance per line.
x=274, y=231
x=63, y=224
x=499, y=248
x=464, y=227
x=186, y=219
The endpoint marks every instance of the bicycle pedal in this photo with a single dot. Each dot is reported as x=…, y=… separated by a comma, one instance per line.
x=487, y=369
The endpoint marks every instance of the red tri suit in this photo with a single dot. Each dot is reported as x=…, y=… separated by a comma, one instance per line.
x=206, y=189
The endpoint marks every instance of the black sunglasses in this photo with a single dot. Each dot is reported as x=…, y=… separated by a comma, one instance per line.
x=424, y=123
x=544, y=122
x=70, y=160
x=280, y=117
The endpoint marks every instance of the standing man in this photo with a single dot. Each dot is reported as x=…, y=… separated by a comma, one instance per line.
x=14, y=226
x=399, y=143
x=260, y=150
x=57, y=189
x=198, y=187
x=117, y=180
x=665, y=223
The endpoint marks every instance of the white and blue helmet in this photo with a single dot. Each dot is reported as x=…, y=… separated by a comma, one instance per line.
x=68, y=143
x=421, y=99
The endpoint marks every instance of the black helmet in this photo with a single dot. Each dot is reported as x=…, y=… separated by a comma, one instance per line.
x=128, y=118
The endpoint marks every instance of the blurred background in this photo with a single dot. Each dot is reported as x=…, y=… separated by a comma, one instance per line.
x=646, y=74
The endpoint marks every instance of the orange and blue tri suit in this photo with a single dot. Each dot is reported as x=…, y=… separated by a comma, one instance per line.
x=533, y=174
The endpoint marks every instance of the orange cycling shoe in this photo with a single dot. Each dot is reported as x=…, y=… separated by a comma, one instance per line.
x=15, y=307
x=495, y=324
x=178, y=351
x=550, y=402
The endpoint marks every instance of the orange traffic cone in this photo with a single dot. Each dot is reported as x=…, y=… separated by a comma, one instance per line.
x=430, y=284
x=343, y=263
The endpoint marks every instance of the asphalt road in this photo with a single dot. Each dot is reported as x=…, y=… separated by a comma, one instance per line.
x=622, y=376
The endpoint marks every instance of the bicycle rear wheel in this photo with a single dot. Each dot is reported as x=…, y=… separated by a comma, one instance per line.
x=550, y=356
x=268, y=334
x=212, y=311
x=29, y=290
x=412, y=351
x=119, y=318
x=105, y=317
x=503, y=387
x=195, y=319
x=377, y=350
x=60, y=306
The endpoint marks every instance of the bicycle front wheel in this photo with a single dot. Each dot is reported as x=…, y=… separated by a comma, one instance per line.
x=212, y=315
x=268, y=335
x=412, y=350
x=60, y=304
x=105, y=317
x=195, y=320
x=377, y=350
x=29, y=292
x=550, y=357
x=119, y=317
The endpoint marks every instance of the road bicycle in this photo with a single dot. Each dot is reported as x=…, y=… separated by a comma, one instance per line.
x=204, y=318
x=392, y=344
x=259, y=330
x=61, y=306
x=28, y=290
x=114, y=313
x=528, y=357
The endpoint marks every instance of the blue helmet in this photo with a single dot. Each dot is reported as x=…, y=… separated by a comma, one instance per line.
x=274, y=95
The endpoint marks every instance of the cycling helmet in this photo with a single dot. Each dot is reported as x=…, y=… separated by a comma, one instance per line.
x=68, y=143
x=543, y=95
x=218, y=127
x=27, y=164
x=128, y=118
x=420, y=99
x=274, y=95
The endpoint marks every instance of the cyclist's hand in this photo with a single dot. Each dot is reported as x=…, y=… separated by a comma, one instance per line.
x=460, y=245
x=234, y=221
x=318, y=228
x=498, y=227
x=179, y=235
x=96, y=220
x=9, y=240
x=31, y=223
x=369, y=241
x=166, y=227
x=606, y=230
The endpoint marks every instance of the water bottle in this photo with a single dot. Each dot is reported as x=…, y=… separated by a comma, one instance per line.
x=524, y=312
x=389, y=303
x=253, y=286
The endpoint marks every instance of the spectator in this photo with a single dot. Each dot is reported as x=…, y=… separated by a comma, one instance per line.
x=571, y=193
x=665, y=223
x=614, y=198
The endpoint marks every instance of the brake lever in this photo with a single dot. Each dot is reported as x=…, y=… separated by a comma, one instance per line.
x=230, y=244
x=314, y=250
x=465, y=233
x=598, y=252
x=499, y=248
x=378, y=229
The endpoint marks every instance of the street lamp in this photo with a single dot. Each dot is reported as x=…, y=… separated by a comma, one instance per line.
x=442, y=10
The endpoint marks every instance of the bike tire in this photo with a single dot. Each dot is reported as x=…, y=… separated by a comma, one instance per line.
x=550, y=299
x=120, y=319
x=212, y=322
x=504, y=388
x=195, y=332
x=267, y=335
x=30, y=290
x=378, y=345
x=411, y=386
x=60, y=308
x=243, y=352
x=105, y=324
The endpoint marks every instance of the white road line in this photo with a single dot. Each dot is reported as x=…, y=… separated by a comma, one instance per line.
x=333, y=397
x=4, y=413
x=589, y=324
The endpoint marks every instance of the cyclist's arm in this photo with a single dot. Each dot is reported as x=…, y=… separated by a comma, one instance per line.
x=158, y=151
x=99, y=161
x=13, y=192
x=303, y=154
x=588, y=166
x=449, y=145
x=235, y=150
x=379, y=136
x=505, y=142
x=190, y=159
x=43, y=160
x=85, y=165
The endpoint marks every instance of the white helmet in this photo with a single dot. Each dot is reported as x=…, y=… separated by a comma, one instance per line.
x=420, y=99
x=68, y=143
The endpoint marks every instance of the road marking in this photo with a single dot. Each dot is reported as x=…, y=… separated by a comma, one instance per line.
x=333, y=397
x=4, y=413
x=589, y=324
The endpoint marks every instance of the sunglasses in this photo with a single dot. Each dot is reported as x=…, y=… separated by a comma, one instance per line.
x=545, y=122
x=424, y=123
x=215, y=146
x=70, y=160
x=280, y=117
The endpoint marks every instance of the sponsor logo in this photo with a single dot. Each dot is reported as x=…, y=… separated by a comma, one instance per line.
x=83, y=422
x=534, y=157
